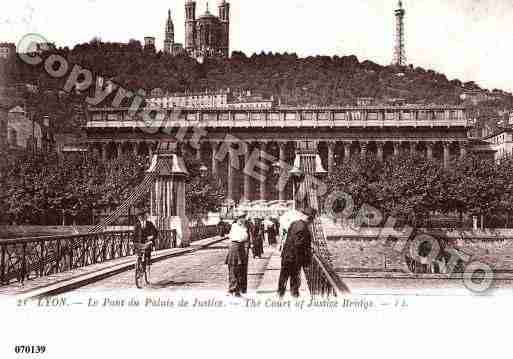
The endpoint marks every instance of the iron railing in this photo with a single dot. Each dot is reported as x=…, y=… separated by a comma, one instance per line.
x=201, y=232
x=166, y=240
x=322, y=280
x=28, y=258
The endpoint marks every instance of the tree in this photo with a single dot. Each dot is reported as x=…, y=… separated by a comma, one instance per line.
x=410, y=188
x=204, y=193
x=44, y=189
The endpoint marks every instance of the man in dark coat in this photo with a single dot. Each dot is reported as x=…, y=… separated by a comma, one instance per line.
x=256, y=238
x=145, y=231
x=297, y=252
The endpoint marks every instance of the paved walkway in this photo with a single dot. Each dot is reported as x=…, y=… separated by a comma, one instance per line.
x=201, y=270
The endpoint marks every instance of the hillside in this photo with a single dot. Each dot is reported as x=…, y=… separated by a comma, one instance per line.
x=311, y=81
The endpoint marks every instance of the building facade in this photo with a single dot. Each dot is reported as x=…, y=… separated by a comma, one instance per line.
x=68, y=144
x=475, y=97
x=212, y=99
x=437, y=132
x=501, y=142
x=22, y=132
x=149, y=43
x=207, y=35
x=7, y=50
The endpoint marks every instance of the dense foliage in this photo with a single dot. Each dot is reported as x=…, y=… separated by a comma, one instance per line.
x=41, y=189
x=411, y=189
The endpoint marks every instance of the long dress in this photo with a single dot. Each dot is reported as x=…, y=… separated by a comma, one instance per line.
x=270, y=231
x=237, y=261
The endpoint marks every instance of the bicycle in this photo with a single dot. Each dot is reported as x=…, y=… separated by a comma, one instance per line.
x=142, y=265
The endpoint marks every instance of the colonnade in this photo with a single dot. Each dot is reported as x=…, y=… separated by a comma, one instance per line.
x=113, y=149
x=260, y=182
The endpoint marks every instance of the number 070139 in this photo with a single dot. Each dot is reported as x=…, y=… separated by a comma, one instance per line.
x=29, y=349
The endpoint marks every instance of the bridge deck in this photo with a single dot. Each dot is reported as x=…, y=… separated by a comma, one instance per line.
x=198, y=267
x=204, y=269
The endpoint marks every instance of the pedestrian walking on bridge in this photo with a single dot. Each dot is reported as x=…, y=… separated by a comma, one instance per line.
x=270, y=231
x=256, y=238
x=297, y=252
x=237, y=258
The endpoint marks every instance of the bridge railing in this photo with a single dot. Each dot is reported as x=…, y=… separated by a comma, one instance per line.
x=201, y=232
x=166, y=240
x=322, y=280
x=321, y=276
x=29, y=258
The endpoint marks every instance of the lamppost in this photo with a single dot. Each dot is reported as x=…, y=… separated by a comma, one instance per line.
x=321, y=174
x=203, y=170
x=297, y=178
x=276, y=166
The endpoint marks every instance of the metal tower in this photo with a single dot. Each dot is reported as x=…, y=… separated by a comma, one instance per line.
x=399, y=48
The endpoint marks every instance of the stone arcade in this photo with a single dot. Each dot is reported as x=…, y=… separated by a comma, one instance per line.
x=438, y=132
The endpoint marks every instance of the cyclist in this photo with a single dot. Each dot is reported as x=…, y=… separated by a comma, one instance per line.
x=144, y=232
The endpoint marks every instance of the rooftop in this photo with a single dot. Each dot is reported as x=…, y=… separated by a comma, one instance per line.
x=311, y=109
x=500, y=130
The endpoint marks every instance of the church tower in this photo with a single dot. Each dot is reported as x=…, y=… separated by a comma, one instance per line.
x=170, y=35
x=399, y=48
x=190, y=25
x=224, y=17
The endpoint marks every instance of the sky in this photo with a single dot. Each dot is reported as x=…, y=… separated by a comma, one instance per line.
x=466, y=39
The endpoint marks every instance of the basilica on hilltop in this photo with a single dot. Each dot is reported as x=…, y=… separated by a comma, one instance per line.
x=205, y=36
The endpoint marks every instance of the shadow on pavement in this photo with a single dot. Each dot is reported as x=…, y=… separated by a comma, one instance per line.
x=170, y=283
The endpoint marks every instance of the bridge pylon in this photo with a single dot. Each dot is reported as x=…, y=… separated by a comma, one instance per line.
x=307, y=162
x=167, y=193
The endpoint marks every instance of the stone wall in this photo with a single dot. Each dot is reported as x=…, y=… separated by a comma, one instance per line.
x=362, y=251
x=364, y=255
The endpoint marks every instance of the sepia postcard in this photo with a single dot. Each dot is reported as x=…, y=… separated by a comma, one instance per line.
x=245, y=178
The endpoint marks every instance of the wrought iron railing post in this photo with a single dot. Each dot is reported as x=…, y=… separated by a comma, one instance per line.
x=83, y=253
x=95, y=245
x=161, y=241
x=42, y=258
x=58, y=259
x=70, y=248
x=121, y=237
x=112, y=247
x=2, y=278
x=24, y=262
x=104, y=249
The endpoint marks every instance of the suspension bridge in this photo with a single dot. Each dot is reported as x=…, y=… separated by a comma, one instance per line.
x=184, y=258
